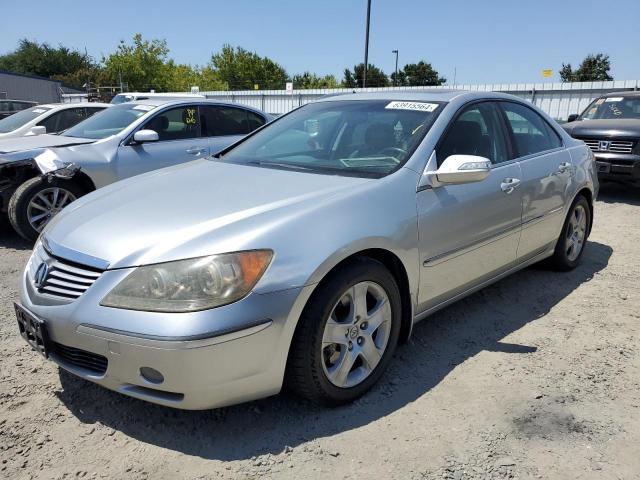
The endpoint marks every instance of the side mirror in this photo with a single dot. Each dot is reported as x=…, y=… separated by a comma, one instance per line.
x=459, y=169
x=573, y=117
x=38, y=130
x=144, y=136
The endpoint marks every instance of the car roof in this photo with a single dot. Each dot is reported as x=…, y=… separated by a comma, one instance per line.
x=629, y=93
x=160, y=102
x=435, y=95
x=73, y=105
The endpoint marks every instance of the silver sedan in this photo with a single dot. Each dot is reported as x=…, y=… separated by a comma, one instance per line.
x=305, y=253
x=40, y=175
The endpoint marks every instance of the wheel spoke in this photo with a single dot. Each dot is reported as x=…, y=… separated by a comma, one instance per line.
x=38, y=217
x=340, y=371
x=379, y=315
x=39, y=207
x=334, y=333
x=359, y=299
x=54, y=200
x=41, y=196
x=370, y=352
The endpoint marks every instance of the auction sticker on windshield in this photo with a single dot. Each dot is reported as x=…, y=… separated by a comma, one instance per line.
x=419, y=106
x=146, y=108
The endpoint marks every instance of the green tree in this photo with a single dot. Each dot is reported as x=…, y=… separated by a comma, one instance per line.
x=419, y=74
x=241, y=69
x=142, y=65
x=61, y=63
x=182, y=77
x=308, y=80
x=375, y=77
x=594, y=67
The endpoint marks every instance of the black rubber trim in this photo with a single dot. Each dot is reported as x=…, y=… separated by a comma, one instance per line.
x=186, y=338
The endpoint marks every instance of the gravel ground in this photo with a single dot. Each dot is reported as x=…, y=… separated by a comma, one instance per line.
x=537, y=376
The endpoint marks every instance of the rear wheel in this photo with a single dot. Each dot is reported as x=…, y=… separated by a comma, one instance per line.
x=347, y=334
x=573, y=238
x=37, y=201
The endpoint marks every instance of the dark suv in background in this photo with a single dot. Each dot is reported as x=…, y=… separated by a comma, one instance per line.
x=610, y=126
x=9, y=107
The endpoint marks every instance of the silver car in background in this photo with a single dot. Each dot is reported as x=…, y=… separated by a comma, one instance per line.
x=306, y=252
x=41, y=175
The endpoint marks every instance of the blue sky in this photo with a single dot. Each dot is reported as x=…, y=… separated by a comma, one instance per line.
x=488, y=41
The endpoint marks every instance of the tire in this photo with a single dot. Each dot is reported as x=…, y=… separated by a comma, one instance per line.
x=313, y=367
x=565, y=257
x=19, y=204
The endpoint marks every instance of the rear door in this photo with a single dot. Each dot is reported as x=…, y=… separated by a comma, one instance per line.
x=180, y=141
x=224, y=125
x=469, y=233
x=546, y=172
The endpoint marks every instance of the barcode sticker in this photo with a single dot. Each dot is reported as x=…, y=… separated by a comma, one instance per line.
x=418, y=106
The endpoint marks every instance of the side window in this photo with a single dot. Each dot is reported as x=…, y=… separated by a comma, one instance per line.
x=91, y=110
x=477, y=130
x=50, y=123
x=68, y=118
x=176, y=123
x=62, y=120
x=256, y=121
x=220, y=121
x=531, y=133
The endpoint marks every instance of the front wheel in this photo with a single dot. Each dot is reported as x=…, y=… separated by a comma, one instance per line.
x=37, y=201
x=573, y=238
x=346, y=335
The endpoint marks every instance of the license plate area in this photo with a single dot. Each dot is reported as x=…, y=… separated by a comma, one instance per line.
x=603, y=167
x=33, y=330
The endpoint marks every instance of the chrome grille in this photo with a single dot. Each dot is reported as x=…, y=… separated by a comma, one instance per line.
x=62, y=278
x=613, y=146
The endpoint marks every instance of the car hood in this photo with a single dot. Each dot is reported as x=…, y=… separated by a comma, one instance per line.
x=21, y=148
x=623, y=128
x=199, y=208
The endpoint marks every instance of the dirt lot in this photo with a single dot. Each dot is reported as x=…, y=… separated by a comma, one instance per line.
x=537, y=376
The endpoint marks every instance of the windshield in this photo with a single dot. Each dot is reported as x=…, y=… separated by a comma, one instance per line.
x=17, y=120
x=613, y=108
x=108, y=122
x=359, y=137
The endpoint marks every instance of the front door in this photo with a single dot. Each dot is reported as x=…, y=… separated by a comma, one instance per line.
x=179, y=141
x=469, y=233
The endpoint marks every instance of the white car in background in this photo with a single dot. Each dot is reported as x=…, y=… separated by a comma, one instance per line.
x=50, y=118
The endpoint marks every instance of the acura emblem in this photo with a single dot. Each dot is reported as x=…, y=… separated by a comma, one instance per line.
x=603, y=145
x=41, y=274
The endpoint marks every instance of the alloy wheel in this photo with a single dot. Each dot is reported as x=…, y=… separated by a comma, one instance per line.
x=576, y=233
x=356, y=334
x=46, y=204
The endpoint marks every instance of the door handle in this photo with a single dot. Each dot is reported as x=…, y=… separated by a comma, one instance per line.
x=563, y=167
x=508, y=185
x=195, y=151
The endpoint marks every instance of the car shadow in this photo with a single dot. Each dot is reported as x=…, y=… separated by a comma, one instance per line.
x=446, y=339
x=619, y=193
x=10, y=239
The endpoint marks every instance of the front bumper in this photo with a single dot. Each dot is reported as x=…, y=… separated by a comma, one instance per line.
x=623, y=167
x=208, y=359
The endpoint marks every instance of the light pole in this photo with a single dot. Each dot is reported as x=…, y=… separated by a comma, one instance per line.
x=395, y=78
x=366, y=46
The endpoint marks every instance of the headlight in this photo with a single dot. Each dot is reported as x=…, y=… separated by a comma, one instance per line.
x=190, y=285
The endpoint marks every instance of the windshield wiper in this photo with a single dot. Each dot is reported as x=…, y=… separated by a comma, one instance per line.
x=289, y=166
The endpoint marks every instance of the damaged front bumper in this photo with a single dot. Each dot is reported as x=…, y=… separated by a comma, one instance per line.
x=18, y=167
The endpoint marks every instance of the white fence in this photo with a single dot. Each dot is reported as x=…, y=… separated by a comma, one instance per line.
x=559, y=100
